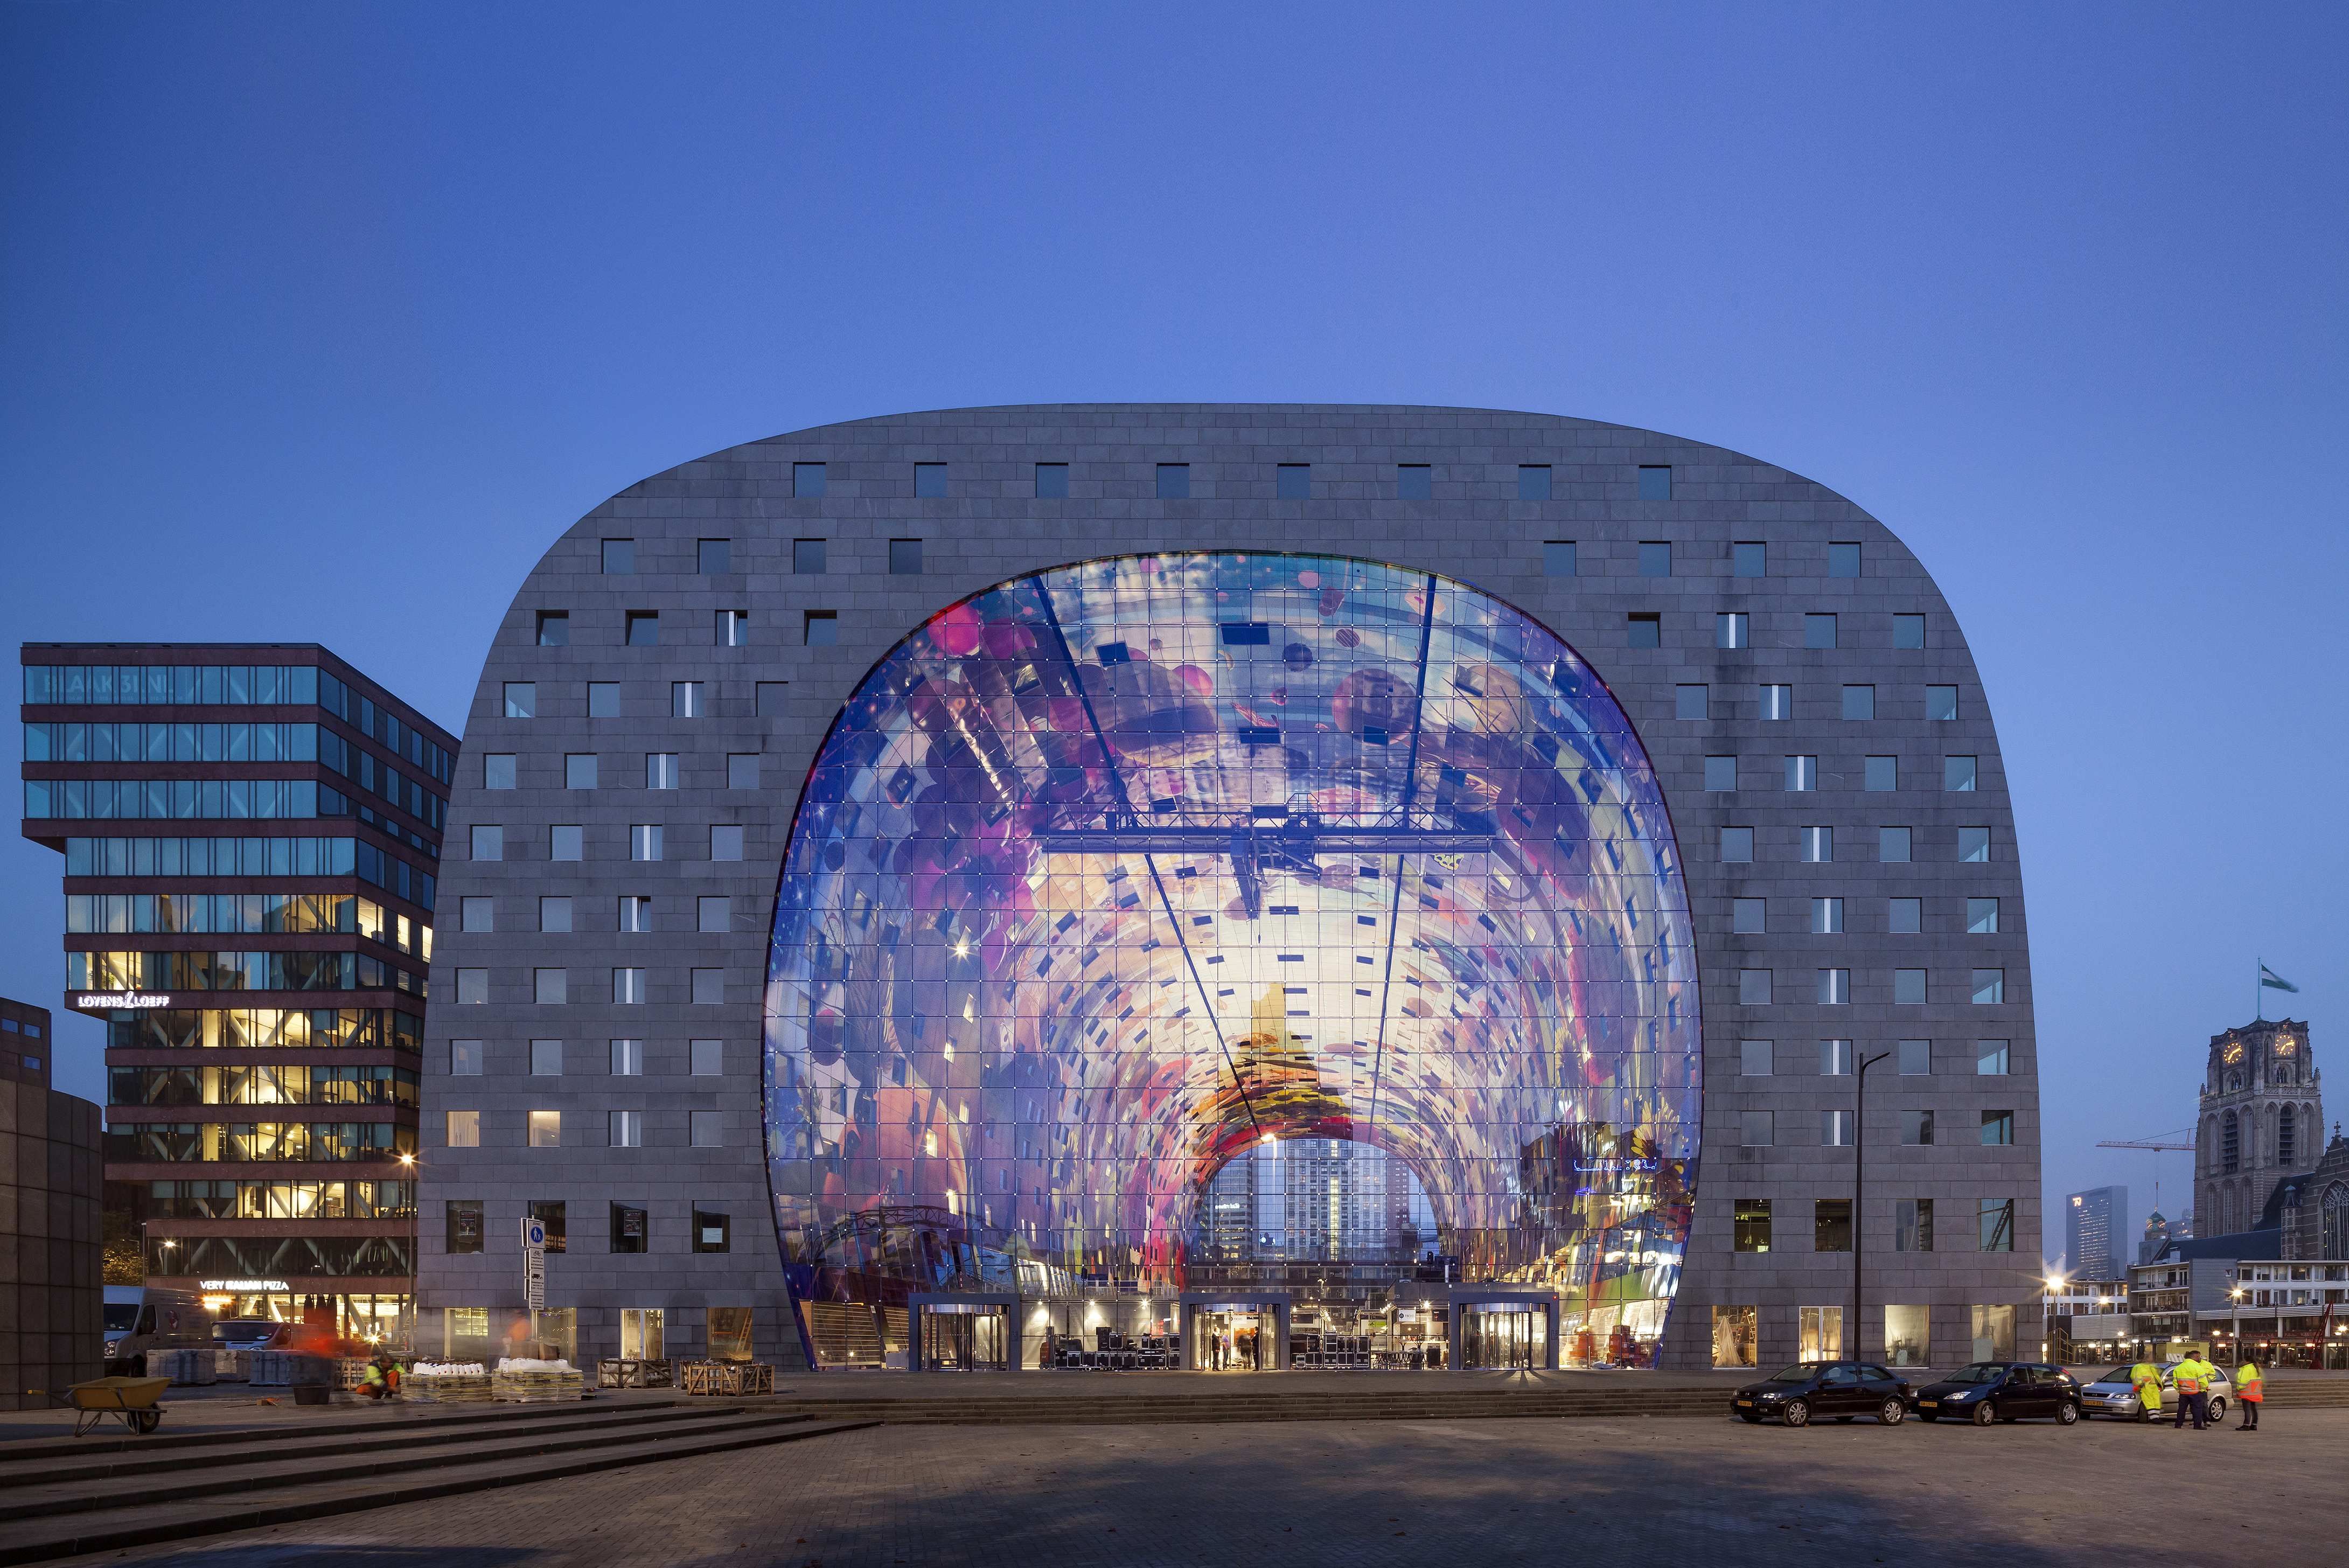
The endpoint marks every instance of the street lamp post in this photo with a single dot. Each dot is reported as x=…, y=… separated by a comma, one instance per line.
x=1859, y=1191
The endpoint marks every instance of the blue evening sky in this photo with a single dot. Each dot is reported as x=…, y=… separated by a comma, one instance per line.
x=318, y=322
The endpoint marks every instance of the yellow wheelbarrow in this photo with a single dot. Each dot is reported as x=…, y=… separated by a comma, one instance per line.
x=132, y=1398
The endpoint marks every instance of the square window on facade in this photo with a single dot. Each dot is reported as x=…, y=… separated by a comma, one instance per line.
x=1293, y=482
x=554, y=629
x=579, y=770
x=807, y=479
x=1736, y=844
x=627, y=1058
x=1415, y=481
x=713, y=557
x=709, y=1058
x=1733, y=629
x=1746, y=916
x=1775, y=701
x=1905, y=916
x=628, y=987
x=1998, y=1127
x=627, y=1129
x=603, y=698
x=546, y=1130
x=555, y=913
x=464, y=1129
x=1557, y=558
x=1835, y=1059
x=546, y=1058
x=550, y=987
x=497, y=769
x=1835, y=988
x=742, y=770
x=465, y=1224
x=1749, y=558
x=568, y=841
x=1754, y=1058
x=1843, y=560
x=930, y=480
x=904, y=558
x=1907, y=988
x=1912, y=1231
x=1533, y=482
x=636, y=912
x=821, y=628
x=660, y=770
x=630, y=1232
x=1818, y=631
x=714, y=914
x=1721, y=772
x=1908, y=631
x=1859, y=702
x=1750, y=1219
x=1802, y=774
x=1052, y=482
x=1917, y=1129
x=1754, y=1129
x=686, y=699
x=1737, y=1335
x=1655, y=558
x=1973, y=844
x=464, y=1058
x=1882, y=774
x=709, y=987
x=489, y=842
x=522, y=699
x=1992, y=1058
x=1688, y=701
x=1916, y=1058
x=1826, y=917
x=808, y=558
x=1831, y=1220
x=1942, y=702
x=1982, y=917
x=1958, y=773
x=1655, y=481
x=708, y=1128
x=733, y=629
x=644, y=628
x=1818, y=845
x=1989, y=987
x=549, y=1212
x=772, y=697
x=619, y=557
x=1753, y=987
x=1892, y=844
x=1643, y=631
x=1173, y=481
x=725, y=841
x=476, y=914
x=729, y=1327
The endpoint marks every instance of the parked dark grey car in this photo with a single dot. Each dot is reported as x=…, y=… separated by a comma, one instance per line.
x=1988, y=1391
x=1824, y=1390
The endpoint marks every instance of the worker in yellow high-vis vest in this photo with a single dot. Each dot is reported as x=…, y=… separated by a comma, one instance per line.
x=2146, y=1379
x=2192, y=1376
x=2248, y=1389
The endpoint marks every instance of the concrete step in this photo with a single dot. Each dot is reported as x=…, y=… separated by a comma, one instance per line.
x=519, y=1462
x=405, y=1419
x=1141, y=1406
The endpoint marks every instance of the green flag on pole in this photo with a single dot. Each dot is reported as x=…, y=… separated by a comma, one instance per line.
x=2270, y=977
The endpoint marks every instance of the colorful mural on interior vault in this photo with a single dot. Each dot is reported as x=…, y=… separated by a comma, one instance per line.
x=1113, y=870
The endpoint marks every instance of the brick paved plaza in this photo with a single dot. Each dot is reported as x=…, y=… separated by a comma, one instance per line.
x=1700, y=1492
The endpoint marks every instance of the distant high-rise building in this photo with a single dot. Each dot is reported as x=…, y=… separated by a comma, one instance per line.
x=2094, y=1223
x=1311, y=1199
x=2160, y=1233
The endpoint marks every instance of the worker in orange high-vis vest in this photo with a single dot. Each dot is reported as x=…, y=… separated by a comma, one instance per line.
x=2247, y=1388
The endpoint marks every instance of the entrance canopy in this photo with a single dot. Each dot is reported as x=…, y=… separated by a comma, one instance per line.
x=1110, y=872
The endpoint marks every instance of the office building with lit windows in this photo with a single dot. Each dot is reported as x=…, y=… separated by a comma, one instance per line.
x=250, y=838
x=908, y=867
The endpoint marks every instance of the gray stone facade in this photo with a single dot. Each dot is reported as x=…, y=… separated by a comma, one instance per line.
x=50, y=1296
x=990, y=525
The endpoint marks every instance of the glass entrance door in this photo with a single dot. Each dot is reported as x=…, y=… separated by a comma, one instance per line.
x=1498, y=1337
x=1234, y=1341
x=965, y=1340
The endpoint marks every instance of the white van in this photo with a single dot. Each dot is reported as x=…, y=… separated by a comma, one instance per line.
x=141, y=1318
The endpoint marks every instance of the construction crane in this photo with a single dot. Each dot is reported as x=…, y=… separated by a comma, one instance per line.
x=2154, y=1146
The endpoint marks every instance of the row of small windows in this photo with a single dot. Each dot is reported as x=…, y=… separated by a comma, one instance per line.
x=1893, y=844
x=1878, y=775
x=1912, y=1229
x=635, y=913
x=1775, y=701
x=630, y=987
x=1293, y=481
x=1747, y=559
x=712, y=1232
x=687, y=700
x=581, y=770
x=1832, y=988
x=1760, y=1129
x=623, y=1129
x=1912, y=1058
x=704, y=1058
x=715, y=559
x=1903, y=917
x=568, y=841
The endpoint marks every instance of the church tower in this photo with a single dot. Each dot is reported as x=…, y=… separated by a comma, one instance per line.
x=2262, y=1119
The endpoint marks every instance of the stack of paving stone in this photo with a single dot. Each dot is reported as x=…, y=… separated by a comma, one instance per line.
x=448, y=1383
x=526, y=1382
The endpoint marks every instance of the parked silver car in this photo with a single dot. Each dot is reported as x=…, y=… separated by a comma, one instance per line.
x=2112, y=1394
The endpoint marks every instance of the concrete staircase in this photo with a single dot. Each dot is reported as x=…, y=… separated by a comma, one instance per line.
x=2307, y=1393
x=932, y=1399
x=58, y=1498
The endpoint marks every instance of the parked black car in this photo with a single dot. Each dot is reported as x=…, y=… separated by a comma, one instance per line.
x=1990, y=1391
x=1824, y=1390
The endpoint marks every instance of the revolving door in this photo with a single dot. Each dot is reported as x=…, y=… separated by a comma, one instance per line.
x=960, y=1334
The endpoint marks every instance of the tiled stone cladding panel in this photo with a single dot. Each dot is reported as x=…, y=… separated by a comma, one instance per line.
x=991, y=527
